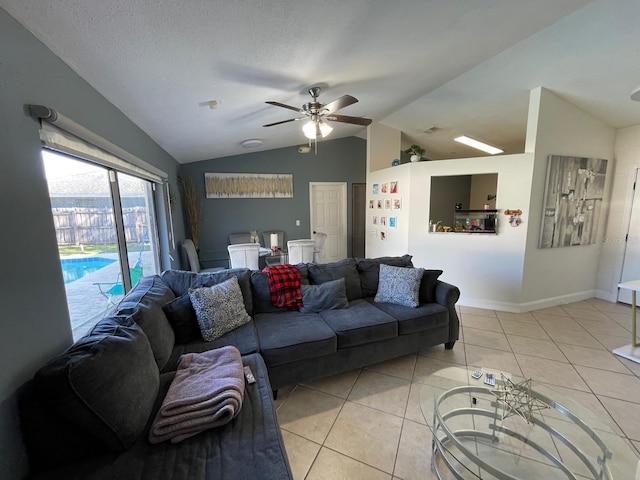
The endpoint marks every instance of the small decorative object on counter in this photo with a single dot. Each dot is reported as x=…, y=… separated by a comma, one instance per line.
x=514, y=217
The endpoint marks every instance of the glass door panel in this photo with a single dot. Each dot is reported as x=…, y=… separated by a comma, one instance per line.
x=141, y=232
x=86, y=234
x=97, y=244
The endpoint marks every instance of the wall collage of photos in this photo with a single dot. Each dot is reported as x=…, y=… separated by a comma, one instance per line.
x=383, y=207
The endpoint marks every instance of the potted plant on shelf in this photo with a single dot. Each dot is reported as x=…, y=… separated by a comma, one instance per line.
x=416, y=152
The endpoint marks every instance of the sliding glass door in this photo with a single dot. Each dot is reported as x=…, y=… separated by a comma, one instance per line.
x=106, y=231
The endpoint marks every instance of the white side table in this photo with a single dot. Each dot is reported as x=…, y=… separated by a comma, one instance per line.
x=632, y=351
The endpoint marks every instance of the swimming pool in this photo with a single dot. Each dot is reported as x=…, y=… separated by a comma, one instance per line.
x=76, y=268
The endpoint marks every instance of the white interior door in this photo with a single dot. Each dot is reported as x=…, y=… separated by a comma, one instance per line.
x=631, y=265
x=328, y=205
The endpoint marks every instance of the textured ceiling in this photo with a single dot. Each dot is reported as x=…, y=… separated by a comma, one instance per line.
x=462, y=66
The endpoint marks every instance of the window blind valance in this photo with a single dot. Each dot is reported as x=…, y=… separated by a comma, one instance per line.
x=62, y=134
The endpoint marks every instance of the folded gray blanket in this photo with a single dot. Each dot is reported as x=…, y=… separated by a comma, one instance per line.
x=206, y=392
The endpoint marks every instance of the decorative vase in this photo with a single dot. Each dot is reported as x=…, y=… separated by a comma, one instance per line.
x=415, y=158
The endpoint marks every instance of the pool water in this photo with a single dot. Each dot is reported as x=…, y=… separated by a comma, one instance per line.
x=76, y=268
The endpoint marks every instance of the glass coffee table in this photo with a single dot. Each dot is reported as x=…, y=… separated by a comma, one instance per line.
x=517, y=429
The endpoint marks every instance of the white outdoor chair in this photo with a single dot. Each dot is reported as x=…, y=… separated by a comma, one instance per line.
x=301, y=251
x=318, y=250
x=244, y=255
x=192, y=255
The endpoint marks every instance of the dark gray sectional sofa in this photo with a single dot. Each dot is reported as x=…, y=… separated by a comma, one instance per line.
x=86, y=414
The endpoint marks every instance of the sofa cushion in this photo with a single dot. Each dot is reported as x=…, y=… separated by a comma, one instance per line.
x=213, y=278
x=332, y=271
x=399, y=285
x=244, y=338
x=326, y=296
x=219, y=308
x=369, y=271
x=428, y=285
x=290, y=336
x=361, y=323
x=262, y=294
x=183, y=320
x=249, y=447
x=410, y=320
x=148, y=296
x=178, y=280
x=104, y=384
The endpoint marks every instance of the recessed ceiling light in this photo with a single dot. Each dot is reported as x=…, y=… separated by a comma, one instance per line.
x=478, y=145
x=251, y=143
x=635, y=95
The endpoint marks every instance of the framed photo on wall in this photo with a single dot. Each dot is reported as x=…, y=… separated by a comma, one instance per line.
x=572, y=201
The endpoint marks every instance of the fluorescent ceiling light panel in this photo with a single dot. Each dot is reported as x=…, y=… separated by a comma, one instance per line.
x=478, y=145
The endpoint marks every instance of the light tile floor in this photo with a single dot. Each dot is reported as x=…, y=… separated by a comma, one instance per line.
x=367, y=423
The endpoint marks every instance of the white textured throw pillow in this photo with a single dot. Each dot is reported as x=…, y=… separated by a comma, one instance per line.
x=219, y=308
x=399, y=285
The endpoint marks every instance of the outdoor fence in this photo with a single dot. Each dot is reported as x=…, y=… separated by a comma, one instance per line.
x=96, y=226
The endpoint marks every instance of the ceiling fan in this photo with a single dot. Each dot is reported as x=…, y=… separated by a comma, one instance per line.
x=318, y=113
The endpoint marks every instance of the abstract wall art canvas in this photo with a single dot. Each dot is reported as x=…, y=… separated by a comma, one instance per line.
x=572, y=201
x=248, y=185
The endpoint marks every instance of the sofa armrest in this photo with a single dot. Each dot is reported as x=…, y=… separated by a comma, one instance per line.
x=447, y=295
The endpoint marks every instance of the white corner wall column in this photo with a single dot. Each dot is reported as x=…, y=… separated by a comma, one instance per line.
x=567, y=274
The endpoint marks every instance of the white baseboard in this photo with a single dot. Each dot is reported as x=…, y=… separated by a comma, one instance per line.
x=536, y=304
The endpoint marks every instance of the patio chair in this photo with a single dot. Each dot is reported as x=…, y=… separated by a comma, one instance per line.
x=194, y=261
x=318, y=249
x=240, y=237
x=113, y=290
x=301, y=251
x=244, y=255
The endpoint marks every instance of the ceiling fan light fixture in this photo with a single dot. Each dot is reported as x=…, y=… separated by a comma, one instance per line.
x=485, y=147
x=325, y=128
x=309, y=130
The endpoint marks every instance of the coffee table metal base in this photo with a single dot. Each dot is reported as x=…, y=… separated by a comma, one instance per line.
x=478, y=442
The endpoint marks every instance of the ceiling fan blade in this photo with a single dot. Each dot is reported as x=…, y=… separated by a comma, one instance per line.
x=339, y=103
x=348, y=119
x=278, y=104
x=283, y=121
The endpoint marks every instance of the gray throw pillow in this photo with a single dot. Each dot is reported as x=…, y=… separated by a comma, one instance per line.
x=243, y=275
x=326, y=296
x=322, y=273
x=369, y=271
x=219, y=308
x=399, y=285
x=428, y=286
x=182, y=318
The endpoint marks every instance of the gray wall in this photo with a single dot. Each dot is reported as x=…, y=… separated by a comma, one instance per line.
x=340, y=160
x=445, y=193
x=34, y=320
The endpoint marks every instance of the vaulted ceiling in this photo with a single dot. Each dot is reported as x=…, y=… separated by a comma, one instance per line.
x=431, y=68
